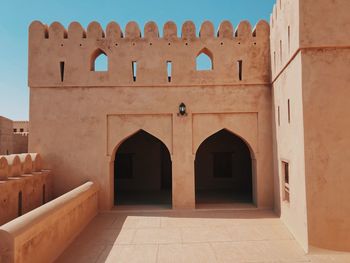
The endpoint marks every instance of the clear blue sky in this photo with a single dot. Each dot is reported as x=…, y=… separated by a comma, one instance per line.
x=16, y=15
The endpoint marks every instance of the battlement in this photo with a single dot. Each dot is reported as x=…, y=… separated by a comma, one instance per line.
x=60, y=57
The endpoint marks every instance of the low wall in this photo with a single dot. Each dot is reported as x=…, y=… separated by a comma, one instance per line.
x=42, y=234
x=22, y=194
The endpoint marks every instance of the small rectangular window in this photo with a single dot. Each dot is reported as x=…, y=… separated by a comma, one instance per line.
x=62, y=70
x=169, y=70
x=240, y=69
x=285, y=177
x=222, y=164
x=21, y=130
x=14, y=130
x=134, y=70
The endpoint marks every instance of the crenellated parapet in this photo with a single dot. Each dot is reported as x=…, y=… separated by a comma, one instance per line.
x=16, y=165
x=284, y=39
x=66, y=57
x=24, y=185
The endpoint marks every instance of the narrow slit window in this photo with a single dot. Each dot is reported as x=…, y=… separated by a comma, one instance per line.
x=62, y=70
x=285, y=177
x=204, y=60
x=289, y=39
x=134, y=70
x=20, y=203
x=288, y=111
x=281, y=51
x=274, y=60
x=240, y=69
x=169, y=70
x=279, y=116
x=44, y=194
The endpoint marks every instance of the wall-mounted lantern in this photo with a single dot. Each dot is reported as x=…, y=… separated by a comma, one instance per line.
x=182, y=110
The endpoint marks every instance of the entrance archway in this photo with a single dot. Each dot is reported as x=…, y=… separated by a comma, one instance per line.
x=142, y=172
x=223, y=171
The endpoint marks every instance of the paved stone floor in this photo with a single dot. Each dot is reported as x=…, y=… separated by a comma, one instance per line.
x=190, y=236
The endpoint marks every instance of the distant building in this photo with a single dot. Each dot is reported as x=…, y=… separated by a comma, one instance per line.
x=13, y=136
x=21, y=127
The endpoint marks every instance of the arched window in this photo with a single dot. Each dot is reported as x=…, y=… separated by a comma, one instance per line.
x=99, y=61
x=204, y=60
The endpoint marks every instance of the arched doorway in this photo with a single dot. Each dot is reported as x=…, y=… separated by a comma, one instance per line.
x=223, y=171
x=142, y=172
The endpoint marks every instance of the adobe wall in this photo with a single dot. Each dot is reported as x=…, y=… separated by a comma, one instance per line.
x=78, y=123
x=20, y=143
x=286, y=65
x=320, y=61
x=6, y=136
x=325, y=80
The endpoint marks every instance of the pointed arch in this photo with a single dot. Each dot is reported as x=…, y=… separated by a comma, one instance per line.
x=142, y=171
x=204, y=60
x=99, y=61
x=252, y=154
x=224, y=170
x=115, y=149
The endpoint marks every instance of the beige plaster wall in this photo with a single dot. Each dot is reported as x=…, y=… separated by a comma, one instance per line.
x=325, y=24
x=289, y=147
x=320, y=63
x=93, y=158
x=327, y=143
x=78, y=123
x=42, y=234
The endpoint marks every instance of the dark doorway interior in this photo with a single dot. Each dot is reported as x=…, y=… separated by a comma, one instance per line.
x=142, y=172
x=223, y=171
